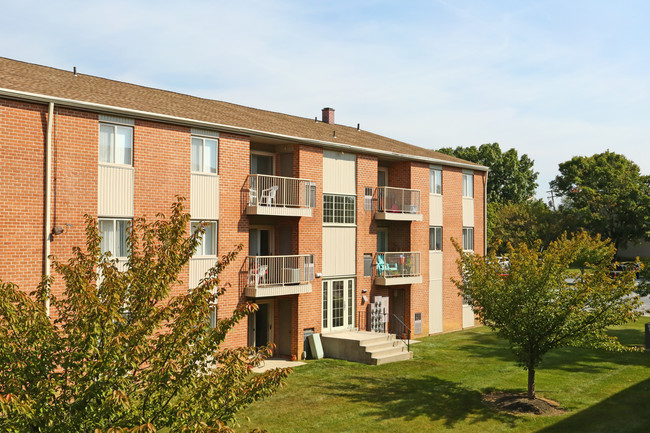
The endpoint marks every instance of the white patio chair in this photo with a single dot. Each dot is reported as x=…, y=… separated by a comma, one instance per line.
x=268, y=195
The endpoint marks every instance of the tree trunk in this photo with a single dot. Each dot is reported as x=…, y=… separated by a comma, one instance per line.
x=531, y=383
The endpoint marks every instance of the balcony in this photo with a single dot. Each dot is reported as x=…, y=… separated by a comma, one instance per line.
x=280, y=196
x=279, y=275
x=398, y=204
x=392, y=269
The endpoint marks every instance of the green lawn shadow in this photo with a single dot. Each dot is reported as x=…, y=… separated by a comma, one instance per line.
x=570, y=359
x=409, y=398
x=618, y=413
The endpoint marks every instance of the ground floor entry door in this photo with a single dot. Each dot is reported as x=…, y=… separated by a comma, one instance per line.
x=338, y=304
x=260, y=325
x=397, y=320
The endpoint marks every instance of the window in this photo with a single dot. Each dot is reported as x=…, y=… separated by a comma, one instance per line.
x=114, y=233
x=367, y=265
x=435, y=238
x=208, y=245
x=468, y=185
x=115, y=144
x=435, y=181
x=338, y=209
x=468, y=238
x=367, y=198
x=204, y=155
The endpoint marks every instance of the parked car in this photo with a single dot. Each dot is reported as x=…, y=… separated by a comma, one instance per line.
x=620, y=267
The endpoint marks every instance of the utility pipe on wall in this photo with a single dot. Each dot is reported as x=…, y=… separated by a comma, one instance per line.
x=47, y=233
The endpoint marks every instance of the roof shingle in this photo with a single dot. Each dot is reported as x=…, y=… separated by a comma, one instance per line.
x=46, y=81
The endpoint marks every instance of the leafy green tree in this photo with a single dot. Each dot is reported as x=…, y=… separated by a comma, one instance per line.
x=606, y=194
x=511, y=178
x=523, y=222
x=538, y=306
x=120, y=354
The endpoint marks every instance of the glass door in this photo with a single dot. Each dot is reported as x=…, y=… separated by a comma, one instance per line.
x=338, y=304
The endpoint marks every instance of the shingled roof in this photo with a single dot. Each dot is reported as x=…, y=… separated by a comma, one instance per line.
x=56, y=83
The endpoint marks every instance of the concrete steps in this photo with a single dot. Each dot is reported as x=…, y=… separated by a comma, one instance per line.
x=365, y=347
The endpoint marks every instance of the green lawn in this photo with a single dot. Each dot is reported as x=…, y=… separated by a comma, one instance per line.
x=441, y=388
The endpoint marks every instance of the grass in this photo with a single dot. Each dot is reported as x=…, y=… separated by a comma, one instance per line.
x=441, y=388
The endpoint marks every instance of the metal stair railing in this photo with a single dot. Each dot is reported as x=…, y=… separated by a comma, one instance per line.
x=408, y=341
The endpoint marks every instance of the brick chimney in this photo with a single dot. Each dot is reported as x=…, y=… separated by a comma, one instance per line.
x=328, y=115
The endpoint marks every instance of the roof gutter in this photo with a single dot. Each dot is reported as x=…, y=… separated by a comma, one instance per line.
x=235, y=129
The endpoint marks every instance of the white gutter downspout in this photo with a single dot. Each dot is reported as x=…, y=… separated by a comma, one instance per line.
x=48, y=197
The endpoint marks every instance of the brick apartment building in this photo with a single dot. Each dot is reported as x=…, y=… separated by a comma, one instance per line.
x=341, y=228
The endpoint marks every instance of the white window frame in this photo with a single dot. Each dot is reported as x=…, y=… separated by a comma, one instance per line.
x=114, y=241
x=204, y=166
x=201, y=249
x=367, y=198
x=345, y=204
x=435, y=235
x=435, y=181
x=112, y=146
x=468, y=238
x=468, y=185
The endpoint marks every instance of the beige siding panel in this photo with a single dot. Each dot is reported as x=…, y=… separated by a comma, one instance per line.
x=468, y=316
x=204, y=196
x=468, y=212
x=435, y=292
x=339, y=173
x=198, y=267
x=435, y=210
x=339, y=250
x=115, y=191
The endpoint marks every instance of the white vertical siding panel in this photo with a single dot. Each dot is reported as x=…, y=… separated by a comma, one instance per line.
x=204, y=196
x=468, y=316
x=339, y=250
x=339, y=173
x=198, y=268
x=468, y=212
x=115, y=191
x=435, y=210
x=435, y=292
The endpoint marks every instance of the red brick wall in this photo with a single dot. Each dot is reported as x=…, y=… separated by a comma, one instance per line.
x=234, y=161
x=308, y=164
x=366, y=235
x=22, y=165
x=76, y=144
x=452, y=222
x=419, y=299
x=161, y=161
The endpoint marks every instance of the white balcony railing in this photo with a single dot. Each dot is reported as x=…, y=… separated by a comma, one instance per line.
x=397, y=204
x=397, y=268
x=398, y=200
x=278, y=191
x=279, y=271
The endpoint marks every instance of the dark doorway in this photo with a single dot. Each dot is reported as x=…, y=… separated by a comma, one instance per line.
x=284, y=327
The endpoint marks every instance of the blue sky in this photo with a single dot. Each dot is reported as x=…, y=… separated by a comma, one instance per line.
x=552, y=79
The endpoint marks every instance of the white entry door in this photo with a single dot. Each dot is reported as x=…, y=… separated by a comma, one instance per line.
x=338, y=304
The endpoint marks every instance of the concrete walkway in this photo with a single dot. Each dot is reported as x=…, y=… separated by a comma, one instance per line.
x=270, y=364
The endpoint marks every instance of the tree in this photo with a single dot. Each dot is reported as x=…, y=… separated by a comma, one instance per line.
x=524, y=222
x=605, y=194
x=511, y=178
x=536, y=307
x=120, y=354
